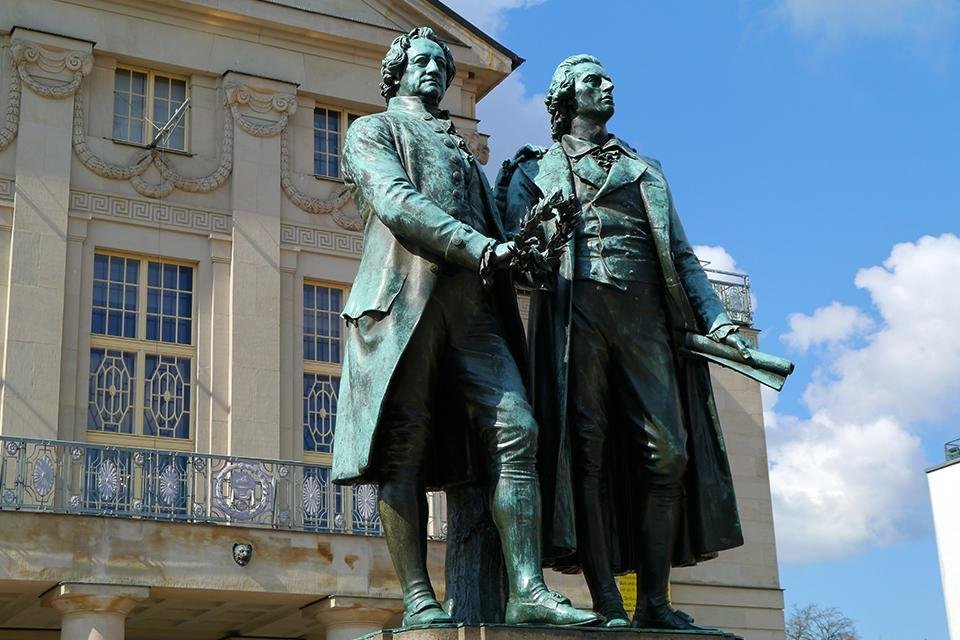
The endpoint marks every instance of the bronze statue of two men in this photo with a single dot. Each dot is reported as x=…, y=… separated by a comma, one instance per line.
x=604, y=453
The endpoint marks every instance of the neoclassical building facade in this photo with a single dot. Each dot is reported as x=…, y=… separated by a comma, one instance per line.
x=171, y=340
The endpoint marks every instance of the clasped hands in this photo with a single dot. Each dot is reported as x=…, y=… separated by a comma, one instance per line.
x=531, y=251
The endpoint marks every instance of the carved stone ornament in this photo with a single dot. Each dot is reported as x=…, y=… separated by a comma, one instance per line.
x=242, y=553
x=12, y=119
x=332, y=205
x=29, y=58
x=142, y=160
x=273, y=109
x=258, y=114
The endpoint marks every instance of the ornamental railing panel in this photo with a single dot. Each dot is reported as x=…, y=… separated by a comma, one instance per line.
x=734, y=291
x=91, y=479
x=951, y=450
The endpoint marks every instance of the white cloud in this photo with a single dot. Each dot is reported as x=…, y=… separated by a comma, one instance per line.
x=717, y=258
x=910, y=367
x=850, y=477
x=840, y=486
x=828, y=325
x=513, y=119
x=489, y=15
x=836, y=19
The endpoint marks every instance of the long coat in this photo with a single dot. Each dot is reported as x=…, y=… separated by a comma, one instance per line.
x=408, y=177
x=711, y=521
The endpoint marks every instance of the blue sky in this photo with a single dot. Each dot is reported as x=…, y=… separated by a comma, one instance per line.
x=815, y=145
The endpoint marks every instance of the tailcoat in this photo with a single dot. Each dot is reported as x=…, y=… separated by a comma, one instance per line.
x=408, y=169
x=710, y=519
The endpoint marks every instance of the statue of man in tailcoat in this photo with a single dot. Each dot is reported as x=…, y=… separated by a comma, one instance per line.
x=431, y=352
x=643, y=470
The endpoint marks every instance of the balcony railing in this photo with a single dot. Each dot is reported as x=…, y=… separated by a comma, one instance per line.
x=951, y=450
x=734, y=291
x=87, y=479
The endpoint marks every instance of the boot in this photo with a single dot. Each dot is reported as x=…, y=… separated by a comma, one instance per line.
x=516, y=513
x=658, y=532
x=403, y=516
x=594, y=554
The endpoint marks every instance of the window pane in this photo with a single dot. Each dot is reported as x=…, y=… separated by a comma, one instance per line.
x=166, y=396
x=121, y=106
x=137, y=104
x=178, y=91
x=121, y=80
x=138, y=83
x=186, y=278
x=170, y=276
x=177, y=140
x=161, y=87
x=115, y=281
x=319, y=411
x=160, y=115
x=112, y=391
x=100, y=262
x=170, y=306
x=321, y=323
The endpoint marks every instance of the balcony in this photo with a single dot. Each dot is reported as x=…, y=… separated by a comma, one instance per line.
x=734, y=291
x=122, y=482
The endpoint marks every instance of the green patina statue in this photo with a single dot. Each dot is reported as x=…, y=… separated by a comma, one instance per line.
x=632, y=458
x=433, y=340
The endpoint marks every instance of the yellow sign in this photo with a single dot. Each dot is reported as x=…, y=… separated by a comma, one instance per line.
x=628, y=589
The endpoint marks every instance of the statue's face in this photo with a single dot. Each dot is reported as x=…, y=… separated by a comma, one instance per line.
x=593, y=89
x=425, y=75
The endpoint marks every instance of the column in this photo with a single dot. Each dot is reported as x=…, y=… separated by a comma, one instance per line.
x=51, y=69
x=349, y=617
x=260, y=108
x=93, y=611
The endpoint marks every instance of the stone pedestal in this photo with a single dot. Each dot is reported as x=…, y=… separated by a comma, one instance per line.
x=93, y=611
x=349, y=617
x=525, y=632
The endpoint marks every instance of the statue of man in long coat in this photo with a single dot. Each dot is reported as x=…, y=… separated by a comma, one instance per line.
x=632, y=423
x=431, y=352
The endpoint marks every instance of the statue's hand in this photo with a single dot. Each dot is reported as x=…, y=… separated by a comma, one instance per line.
x=502, y=253
x=739, y=343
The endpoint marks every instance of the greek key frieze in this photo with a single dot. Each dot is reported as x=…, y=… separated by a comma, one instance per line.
x=322, y=240
x=150, y=213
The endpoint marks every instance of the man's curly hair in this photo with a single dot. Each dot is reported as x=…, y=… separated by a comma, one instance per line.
x=394, y=63
x=560, y=100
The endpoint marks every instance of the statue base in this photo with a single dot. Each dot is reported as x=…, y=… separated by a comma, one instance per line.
x=532, y=632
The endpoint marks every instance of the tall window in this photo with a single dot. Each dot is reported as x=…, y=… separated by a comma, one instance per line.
x=143, y=101
x=328, y=128
x=322, y=360
x=141, y=351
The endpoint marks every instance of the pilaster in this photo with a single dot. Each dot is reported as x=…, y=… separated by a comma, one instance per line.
x=260, y=109
x=73, y=286
x=290, y=375
x=218, y=376
x=93, y=611
x=51, y=68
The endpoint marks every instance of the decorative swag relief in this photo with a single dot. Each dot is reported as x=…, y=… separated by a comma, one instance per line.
x=258, y=114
